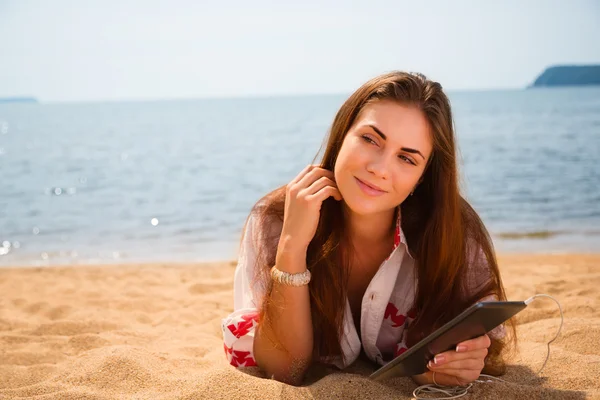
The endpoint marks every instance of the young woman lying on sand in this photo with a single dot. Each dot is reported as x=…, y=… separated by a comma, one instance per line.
x=372, y=249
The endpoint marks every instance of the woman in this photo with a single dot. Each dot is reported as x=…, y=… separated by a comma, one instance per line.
x=371, y=250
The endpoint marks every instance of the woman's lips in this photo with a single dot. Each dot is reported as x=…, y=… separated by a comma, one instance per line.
x=368, y=190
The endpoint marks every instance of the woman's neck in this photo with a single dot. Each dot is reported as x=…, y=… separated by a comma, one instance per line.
x=366, y=230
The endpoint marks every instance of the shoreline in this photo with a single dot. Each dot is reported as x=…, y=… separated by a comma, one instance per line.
x=92, y=261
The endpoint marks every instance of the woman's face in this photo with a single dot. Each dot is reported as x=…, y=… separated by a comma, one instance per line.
x=383, y=156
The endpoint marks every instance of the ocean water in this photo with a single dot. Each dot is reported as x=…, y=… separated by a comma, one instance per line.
x=175, y=180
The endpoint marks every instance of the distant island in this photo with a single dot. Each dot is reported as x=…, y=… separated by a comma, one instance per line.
x=18, y=100
x=569, y=75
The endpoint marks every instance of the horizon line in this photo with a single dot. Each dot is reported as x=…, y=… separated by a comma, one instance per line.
x=229, y=97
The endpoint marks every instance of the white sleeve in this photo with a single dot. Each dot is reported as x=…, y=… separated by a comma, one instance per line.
x=238, y=327
x=244, y=296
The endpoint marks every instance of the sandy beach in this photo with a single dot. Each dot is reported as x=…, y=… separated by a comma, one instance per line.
x=153, y=332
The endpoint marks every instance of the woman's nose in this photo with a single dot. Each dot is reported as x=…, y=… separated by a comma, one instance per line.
x=379, y=167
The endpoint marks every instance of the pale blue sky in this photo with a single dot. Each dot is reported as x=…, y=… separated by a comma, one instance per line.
x=111, y=50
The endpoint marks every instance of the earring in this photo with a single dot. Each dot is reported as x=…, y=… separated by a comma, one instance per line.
x=411, y=193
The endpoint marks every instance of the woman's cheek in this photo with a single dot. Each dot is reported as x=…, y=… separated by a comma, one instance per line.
x=402, y=188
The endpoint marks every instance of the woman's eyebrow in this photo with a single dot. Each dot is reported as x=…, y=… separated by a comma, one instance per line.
x=407, y=149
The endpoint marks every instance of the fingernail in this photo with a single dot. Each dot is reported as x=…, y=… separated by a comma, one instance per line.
x=438, y=359
x=460, y=348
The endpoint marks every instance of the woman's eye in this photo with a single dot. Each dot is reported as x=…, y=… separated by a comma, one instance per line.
x=402, y=157
x=368, y=139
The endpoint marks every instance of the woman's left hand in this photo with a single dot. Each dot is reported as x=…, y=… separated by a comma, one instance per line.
x=460, y=366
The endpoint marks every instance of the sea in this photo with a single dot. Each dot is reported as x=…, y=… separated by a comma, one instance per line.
x=173, y=181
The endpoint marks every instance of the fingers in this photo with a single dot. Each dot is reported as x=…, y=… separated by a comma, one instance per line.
x=314, y=183
x=317, y=185
x=311, y=176
x=463, y=365
x=304, y=198
x=450, y=356
x=302, y=173
x=474, y=348
x=475, y=364
x=328, y=191
x=481, y=342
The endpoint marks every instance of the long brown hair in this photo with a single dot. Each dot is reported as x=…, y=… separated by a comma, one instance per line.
x=444, y=233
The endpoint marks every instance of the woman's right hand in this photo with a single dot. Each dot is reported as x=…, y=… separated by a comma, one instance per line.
x=304, y=196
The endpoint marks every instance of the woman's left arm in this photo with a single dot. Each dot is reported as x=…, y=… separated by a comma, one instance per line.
x=457, y=367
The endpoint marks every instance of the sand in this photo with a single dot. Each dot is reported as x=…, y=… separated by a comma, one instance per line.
x=153, y=332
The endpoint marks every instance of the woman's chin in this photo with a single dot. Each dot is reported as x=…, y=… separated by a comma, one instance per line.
x=361, y=206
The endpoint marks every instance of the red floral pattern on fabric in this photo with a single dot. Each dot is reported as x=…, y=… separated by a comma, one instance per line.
x=400, y=348
x=398, y=320
x=397, y=235
x=238, y=335
x=391, y=312
x=242, y=359
x=243, y=327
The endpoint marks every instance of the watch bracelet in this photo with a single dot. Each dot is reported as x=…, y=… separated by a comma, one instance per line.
x=298, y=279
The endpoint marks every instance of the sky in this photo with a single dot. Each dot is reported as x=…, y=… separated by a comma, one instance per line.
x=91, y=50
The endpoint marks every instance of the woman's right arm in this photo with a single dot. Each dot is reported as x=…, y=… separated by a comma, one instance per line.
x=283, y=348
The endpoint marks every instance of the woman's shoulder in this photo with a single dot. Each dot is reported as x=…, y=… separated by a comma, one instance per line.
x=480, y=265
x=264, y=222
x=260, y=237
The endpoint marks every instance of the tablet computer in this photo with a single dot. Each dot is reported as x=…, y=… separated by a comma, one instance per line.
x=475, y=321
